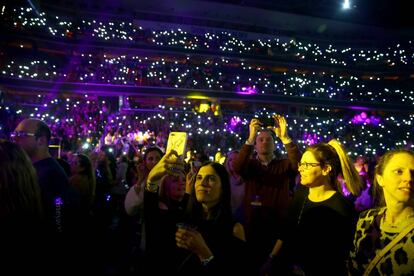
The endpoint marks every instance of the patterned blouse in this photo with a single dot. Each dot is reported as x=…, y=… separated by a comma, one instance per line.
x=371, y=237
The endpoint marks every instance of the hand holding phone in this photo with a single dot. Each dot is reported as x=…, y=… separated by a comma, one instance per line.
x=267, y=121
x=177, y=141
x=168, y=165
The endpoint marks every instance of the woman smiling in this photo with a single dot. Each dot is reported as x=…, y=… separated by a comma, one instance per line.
x=384, y=240
x=320, y=217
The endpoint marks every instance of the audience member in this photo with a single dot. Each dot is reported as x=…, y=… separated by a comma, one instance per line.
x=237, y=186
x=60, y=201
x=135, y=195
x=267, y=180
x=83, y=179
x=210, y=236
x=384, y=237
x=164, y=206
x=320, y=217
x=21, y=212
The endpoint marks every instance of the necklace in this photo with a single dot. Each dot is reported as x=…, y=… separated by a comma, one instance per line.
x=396, y=227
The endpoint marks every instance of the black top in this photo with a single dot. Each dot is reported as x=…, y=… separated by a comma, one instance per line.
x=230, y=254
x=61, y=202
x=319, y=234
x=163, y=257
x=162, y=254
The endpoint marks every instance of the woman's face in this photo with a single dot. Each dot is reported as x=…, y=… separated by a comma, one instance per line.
x=310, y=170
x=208, y=186
x=176, y=186
x=397, y=179
x=152, y=158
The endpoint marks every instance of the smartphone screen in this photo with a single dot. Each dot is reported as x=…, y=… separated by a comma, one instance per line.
x=177, y=141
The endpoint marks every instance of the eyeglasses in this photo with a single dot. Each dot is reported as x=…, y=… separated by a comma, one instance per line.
x=15, y=134
x=308, y=165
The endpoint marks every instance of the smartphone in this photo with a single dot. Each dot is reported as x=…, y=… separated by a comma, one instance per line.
x=177, y=141
x=267, y=121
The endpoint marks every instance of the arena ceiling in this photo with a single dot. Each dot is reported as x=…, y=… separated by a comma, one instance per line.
x=382, y=13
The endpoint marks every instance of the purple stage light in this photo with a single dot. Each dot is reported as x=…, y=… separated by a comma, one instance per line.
x=363, y=118
x=246, y=90
x=310, y=138
x=234, y=121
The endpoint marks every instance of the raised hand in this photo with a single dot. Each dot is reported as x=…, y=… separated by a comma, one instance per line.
x=254, y=127
x=280, y=129
x=169, y=164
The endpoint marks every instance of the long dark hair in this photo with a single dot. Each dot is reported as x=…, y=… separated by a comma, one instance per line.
x=86, y=164
x=221, y=212
x=88, y=171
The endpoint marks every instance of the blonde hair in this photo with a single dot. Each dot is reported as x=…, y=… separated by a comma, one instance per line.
x=165, y=186
x=350, y=174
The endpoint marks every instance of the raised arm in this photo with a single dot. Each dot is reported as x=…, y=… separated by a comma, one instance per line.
x=241, y=162
x=293, y=153
x=169, y=164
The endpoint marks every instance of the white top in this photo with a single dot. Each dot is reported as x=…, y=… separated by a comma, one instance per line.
x=134, y=202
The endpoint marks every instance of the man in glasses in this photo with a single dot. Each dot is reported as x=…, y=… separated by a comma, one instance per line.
x=60, y=200
x=33, y=136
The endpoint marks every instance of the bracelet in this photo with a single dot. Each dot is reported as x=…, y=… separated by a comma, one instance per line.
x=207, y=261
x=152, y=187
